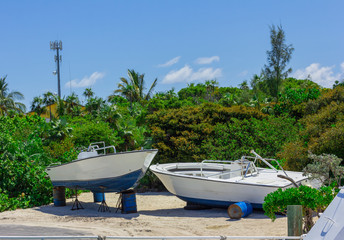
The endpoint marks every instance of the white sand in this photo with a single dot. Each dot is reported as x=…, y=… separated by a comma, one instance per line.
x=159, y=214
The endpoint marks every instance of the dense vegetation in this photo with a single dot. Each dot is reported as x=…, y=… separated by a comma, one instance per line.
x=199, y=123
x=277, y=116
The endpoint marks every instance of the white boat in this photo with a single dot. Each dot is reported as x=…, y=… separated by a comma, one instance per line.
x=100, y=172
x=330, y=225
x=222, y=183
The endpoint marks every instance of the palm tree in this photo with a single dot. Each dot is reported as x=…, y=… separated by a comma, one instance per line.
x=88, y=93
x=72, y=104
x=48, y=99
x=61, y=107
x=133, y=87
x=244, y=85
x=8, y=99
x=37, y=105
x=95, y=105
x=210, y=87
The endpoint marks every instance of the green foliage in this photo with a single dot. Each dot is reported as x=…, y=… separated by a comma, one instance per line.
x=58, y=129
x=200, y=93
x=182, y=134
x=310, y=198
x=200, y=121
x=86, y=132
x=62, y=151
x=23, y=160
x=8, y=100
x=326, y=168
x=133, y=87
x=237, y=137
x=293, y=83
x=160, y=102
x=322, y=130
x=295, y=155
x=291, y=98
x=278, y=57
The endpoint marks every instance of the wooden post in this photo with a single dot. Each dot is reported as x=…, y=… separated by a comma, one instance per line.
x=294, y=214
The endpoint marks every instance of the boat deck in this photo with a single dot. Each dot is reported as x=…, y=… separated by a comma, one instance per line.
x=232, y=173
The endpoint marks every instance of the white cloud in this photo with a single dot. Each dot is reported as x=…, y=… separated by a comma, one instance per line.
x=323, y=76
x=178, y=76
x=206, y=74
x=207, y=60
x=86, y=81
x=170, y=62
x=187, y=74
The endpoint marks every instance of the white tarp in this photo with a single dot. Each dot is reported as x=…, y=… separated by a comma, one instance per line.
x=330, y=225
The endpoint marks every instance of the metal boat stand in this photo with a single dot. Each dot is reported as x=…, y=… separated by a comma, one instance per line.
x=77, y=204
x=103, y=206
x=119, y=202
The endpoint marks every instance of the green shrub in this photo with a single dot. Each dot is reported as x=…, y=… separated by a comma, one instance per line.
x=239, y=137
x=93, y=131
x=311, y=200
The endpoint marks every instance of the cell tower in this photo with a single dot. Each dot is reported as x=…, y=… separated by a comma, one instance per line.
x=55, y=45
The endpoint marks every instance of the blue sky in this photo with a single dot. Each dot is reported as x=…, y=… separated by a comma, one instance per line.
x=178, y=42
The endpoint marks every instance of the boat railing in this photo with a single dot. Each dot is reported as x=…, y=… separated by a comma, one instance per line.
x=266, y=161
x=242, y=162
x=95, y=147
x=214, y=161
x=223, y=173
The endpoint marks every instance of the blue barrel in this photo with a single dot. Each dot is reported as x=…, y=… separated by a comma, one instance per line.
x=98, y=197
x=239, y=210
x=129, y=202
x=59, y=196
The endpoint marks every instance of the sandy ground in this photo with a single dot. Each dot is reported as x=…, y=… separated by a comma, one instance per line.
x=159, y=214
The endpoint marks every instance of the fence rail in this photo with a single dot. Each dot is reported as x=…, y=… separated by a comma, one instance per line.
x=157, y=237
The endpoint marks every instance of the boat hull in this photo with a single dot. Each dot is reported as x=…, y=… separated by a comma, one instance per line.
x=218, y=192
x=104, y=173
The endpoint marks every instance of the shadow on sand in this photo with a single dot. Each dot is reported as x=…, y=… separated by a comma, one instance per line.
x=91, y=210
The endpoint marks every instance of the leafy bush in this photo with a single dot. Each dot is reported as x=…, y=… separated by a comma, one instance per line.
x=85, y=133
x=23, y=161
x=237, y=137
x=214, y=131
x=295, y=155
x=310, y=198
x=291, y=98
x=321, y=131
x=326, y=168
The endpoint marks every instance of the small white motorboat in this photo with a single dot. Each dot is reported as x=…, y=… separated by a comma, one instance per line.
x=100, y=172
x=330, y=225
x=221, y=183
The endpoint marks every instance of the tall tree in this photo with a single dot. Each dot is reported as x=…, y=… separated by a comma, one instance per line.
x=73, y=105
x=37, y=105
x=49, y=98
x=8, y=99
x=244, y=85
x=133, y=87
x=278, y=57
x=88, y=93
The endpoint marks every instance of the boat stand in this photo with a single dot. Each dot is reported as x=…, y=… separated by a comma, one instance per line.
x=119, y=202
x=77, y=204
x=103, y=206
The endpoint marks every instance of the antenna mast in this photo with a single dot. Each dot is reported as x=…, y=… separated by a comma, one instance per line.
x=57, y=45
